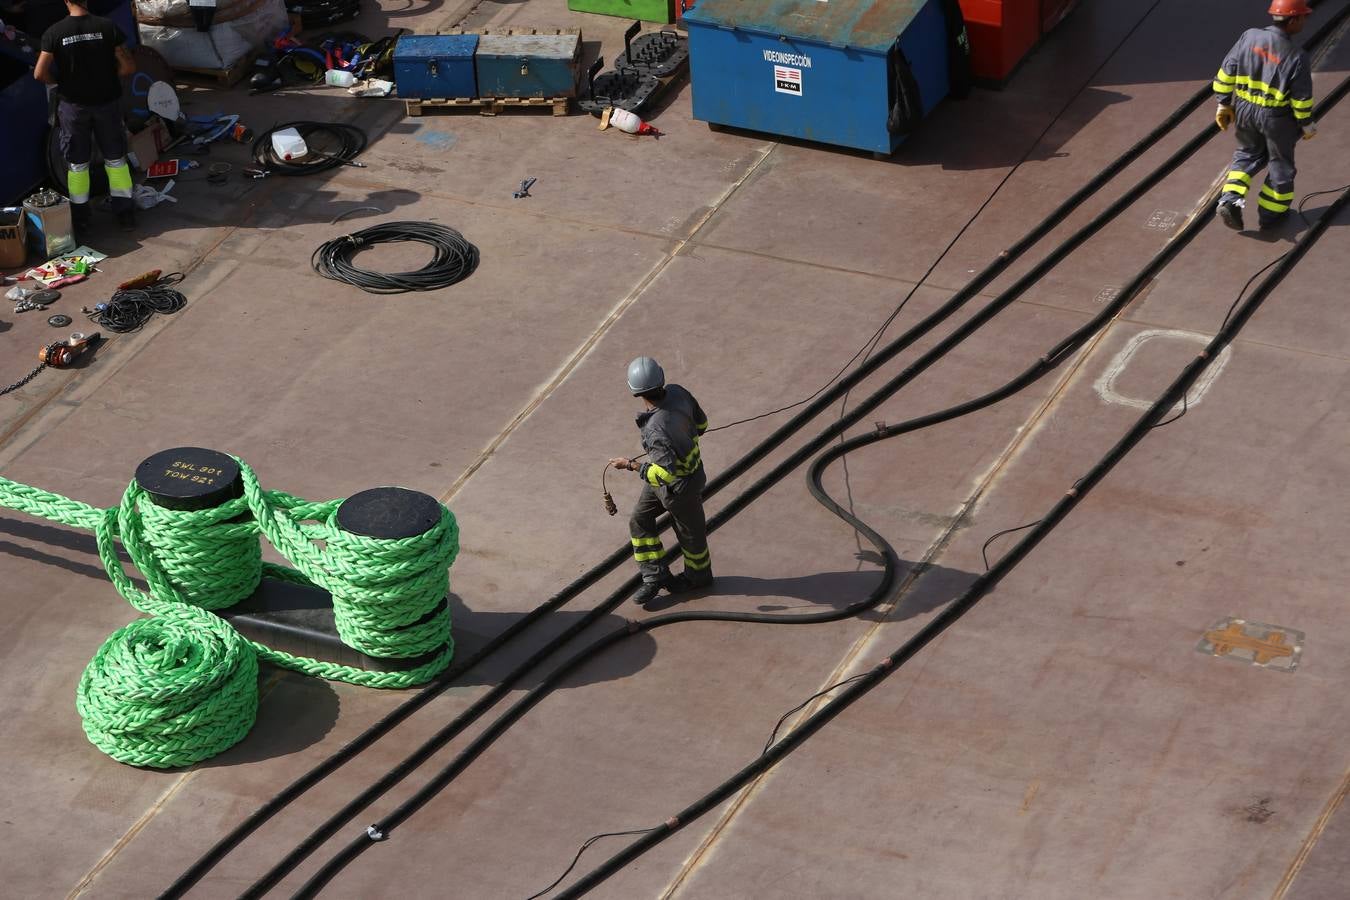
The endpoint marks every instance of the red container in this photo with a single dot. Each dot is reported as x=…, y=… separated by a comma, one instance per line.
x=1002, y=32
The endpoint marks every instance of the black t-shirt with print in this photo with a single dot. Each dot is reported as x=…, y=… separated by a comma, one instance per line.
x=86, y=64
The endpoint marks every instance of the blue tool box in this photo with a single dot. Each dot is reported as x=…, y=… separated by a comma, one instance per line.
x=435, y=66
x=856, y=73
x=528, y=65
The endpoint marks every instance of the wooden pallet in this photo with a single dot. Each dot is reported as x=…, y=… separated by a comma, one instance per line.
x=488, y=106
x=222, y=77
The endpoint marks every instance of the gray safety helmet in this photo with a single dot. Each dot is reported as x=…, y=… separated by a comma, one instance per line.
x=645, y=374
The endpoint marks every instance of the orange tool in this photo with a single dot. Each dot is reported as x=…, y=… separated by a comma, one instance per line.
x=145, y=279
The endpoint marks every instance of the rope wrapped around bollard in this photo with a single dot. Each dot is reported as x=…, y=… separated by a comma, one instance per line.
x=181, y=686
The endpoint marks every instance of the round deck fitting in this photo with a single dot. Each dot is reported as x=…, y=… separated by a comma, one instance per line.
x=389, y=513
x=189, y=478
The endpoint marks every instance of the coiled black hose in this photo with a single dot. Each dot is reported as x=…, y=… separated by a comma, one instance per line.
x=454, y=261
x=129, y=310
x=331, y=144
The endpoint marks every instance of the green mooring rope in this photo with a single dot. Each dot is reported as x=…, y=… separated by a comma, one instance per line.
x=182, y=686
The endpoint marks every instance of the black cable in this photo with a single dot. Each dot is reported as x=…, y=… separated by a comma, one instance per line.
x=997, y=535
x=773, y=735
x=576, y=859
x=331, y=144
x=455, y=258
x=384, y=725
x=891, y=560
x=129, y=310
x=815, y=484
x=982, y=586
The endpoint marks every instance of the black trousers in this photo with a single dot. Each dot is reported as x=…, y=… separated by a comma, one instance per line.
x=684, y=502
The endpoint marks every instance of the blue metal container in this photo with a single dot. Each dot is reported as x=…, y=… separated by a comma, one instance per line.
x=824, y=71
x=435, y=66
x=528, y=65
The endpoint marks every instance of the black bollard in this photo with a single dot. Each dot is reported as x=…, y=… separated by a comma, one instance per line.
x=299, y=619
x=190, y=478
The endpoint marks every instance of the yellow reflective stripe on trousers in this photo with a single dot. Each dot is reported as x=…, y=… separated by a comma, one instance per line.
x=1272, y=205
x=1237, y=183
x=657, y=476
x=647, y=542
x=1268, y=191
x=647, y=557
x=77, y=182
x=696, y=561
x=119, y=177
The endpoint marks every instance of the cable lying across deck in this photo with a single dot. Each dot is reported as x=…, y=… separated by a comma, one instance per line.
x=982, y=586
x=620, y=556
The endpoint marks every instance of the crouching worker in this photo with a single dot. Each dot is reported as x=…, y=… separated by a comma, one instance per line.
x=85, y=56
x=672, y=481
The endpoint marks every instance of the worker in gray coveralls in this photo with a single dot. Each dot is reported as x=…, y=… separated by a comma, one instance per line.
x=673, y=481
x=1265, y=86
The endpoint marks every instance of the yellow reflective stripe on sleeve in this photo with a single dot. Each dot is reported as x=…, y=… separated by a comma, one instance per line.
x=1302, y=104
x=701, y=427
x=647, y=542
x=1268, y=191
x=1221, y=88
x=1239, y=189
x=1225, y=77
x=1272, y=205
x=657, y=476
x=1302, y=114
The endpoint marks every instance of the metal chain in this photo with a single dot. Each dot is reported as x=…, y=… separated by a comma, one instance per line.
x=24, y=380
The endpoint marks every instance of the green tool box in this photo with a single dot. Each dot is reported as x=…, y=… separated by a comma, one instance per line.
x=647, y=10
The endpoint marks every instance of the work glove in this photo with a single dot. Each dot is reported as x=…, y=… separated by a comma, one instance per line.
x=1223, y=117
x=1310, y=131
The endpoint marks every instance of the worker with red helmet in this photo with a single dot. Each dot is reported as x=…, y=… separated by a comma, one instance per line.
x=1265, y=87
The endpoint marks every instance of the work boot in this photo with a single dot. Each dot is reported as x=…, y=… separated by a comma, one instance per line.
x=81, y=218
x=647, y=593
x=1231, y=213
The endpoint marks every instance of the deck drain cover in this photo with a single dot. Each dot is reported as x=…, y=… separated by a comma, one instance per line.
x=1268, y=646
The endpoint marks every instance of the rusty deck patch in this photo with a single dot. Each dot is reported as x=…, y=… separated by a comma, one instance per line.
x=1268, y=646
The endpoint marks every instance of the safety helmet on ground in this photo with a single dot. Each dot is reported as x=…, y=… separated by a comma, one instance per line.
x=1290, y=8
x=644, y=374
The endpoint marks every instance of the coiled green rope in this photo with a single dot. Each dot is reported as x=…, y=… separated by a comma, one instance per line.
x=182, y=686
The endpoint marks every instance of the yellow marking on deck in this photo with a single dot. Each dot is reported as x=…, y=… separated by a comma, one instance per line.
x=1266, y=648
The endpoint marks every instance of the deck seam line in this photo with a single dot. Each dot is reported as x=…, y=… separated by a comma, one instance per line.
x=139, y=347
x=987, y=482
x=579, y=355
x=155, y=809
x=130, y=834
x=1305, y=850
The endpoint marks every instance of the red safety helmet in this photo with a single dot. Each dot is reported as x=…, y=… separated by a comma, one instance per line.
x=1291, y=8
